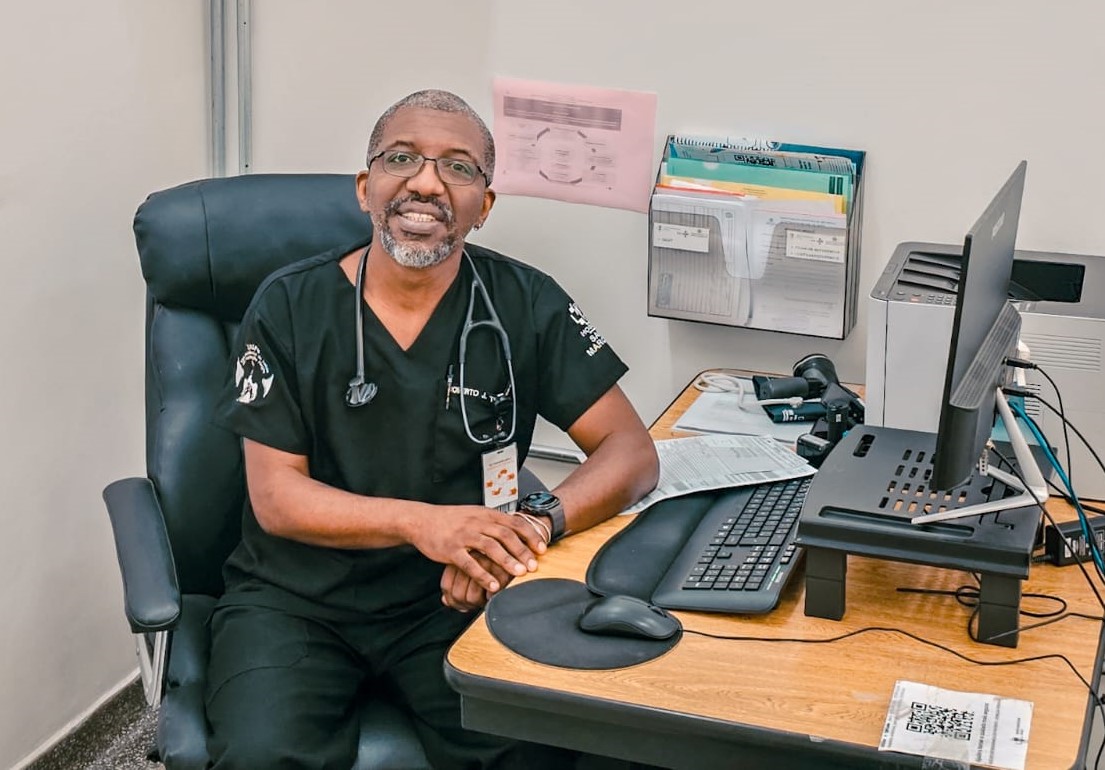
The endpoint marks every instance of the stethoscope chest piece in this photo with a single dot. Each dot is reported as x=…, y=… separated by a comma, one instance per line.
x=360, y=392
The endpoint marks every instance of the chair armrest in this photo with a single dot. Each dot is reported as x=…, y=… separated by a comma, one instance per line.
x=151, y=595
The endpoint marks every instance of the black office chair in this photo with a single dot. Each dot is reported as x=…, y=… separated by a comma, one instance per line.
x=204, y=248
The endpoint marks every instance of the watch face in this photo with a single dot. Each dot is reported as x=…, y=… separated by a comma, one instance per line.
x=540, y=500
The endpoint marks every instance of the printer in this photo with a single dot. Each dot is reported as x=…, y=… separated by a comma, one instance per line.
x=1062, y=302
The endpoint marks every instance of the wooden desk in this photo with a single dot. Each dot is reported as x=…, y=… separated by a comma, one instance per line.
x=727, y=703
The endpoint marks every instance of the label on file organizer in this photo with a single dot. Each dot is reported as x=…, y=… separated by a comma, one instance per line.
x=666, y=236
x=822, y=246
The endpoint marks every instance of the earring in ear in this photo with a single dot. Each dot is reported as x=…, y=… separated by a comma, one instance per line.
x=477, y=226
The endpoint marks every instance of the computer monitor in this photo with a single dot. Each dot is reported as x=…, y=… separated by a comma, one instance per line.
x=976, y=357
x=985, y=332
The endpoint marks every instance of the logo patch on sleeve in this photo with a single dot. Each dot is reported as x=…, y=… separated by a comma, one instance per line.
x=586, y=329
x=252, y=376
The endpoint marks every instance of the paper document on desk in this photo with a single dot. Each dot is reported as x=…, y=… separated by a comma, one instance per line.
x=980, y=729
x=737, y=413
x=699, y=463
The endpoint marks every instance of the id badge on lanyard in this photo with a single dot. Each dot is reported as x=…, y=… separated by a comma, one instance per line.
x=500, y=477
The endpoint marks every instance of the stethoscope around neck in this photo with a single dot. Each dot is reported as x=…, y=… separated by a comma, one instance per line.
x=361, y=392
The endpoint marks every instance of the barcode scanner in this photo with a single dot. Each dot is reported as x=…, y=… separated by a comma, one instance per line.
x=814, y=378
x=772, y=388
x=811, y=376
x=818, y=371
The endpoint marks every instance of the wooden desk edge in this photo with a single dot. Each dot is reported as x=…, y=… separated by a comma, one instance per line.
x=489, y=690
x=638, y=733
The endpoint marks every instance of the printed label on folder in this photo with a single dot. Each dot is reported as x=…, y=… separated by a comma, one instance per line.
x=666, y=236
x=826, y=247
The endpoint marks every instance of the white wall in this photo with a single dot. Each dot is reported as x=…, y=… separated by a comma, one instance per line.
x=945, y=96
x=104, y=102
x=101, y=103
x=322, y=74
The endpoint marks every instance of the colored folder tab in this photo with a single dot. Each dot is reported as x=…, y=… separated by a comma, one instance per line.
x=761, y=154
x=788, y=178
x=831, y=203
x=784, y=154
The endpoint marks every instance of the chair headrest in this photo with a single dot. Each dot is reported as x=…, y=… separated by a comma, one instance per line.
x=207, y=245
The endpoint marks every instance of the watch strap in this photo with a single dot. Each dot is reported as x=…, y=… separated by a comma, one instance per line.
x=554, y=512
x=556, y=519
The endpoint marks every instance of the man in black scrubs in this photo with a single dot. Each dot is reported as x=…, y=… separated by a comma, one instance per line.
x=373, y=523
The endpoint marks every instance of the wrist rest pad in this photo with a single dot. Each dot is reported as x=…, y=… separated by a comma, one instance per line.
x=634, y=561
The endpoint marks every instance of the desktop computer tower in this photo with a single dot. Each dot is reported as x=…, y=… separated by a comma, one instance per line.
x=910, y=316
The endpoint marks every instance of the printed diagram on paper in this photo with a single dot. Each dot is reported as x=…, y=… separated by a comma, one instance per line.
x=574, y=143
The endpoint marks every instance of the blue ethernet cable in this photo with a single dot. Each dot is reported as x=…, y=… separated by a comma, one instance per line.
x=1091, y=542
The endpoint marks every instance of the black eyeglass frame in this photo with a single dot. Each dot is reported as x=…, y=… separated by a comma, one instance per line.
x=425, y=158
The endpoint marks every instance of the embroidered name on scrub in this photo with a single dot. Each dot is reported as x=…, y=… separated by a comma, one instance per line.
x=483, y=395
x=598, y=342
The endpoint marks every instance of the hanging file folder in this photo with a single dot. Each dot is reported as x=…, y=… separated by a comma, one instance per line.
x=757, y=236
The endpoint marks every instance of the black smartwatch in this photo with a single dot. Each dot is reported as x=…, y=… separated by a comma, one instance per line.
x=545, y=504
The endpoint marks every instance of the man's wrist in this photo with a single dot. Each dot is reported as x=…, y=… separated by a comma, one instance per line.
x=541, y=525
x=546, y=505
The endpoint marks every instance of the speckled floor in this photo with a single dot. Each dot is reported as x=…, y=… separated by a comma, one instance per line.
x=117, y=737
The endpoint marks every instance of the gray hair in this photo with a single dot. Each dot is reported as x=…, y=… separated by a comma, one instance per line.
x=444, y=101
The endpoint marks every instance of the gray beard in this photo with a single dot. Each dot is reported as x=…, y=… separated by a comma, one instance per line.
x=412, y=254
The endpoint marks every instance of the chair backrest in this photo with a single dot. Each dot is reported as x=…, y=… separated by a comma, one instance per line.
x=204, y=248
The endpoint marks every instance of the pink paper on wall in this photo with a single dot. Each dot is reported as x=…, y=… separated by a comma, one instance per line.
x=579, y=144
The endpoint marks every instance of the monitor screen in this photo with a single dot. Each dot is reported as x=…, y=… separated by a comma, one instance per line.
x=984, y=332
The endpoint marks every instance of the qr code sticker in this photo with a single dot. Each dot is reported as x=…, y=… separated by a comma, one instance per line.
x=937, y=720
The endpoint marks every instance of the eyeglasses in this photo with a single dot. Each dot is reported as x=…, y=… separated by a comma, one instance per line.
x=452, y=171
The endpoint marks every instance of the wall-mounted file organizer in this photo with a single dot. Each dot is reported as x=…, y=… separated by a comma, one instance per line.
x=758, y=234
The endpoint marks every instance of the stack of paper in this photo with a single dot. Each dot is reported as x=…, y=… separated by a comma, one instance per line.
x=756, y=233
x=699, y=463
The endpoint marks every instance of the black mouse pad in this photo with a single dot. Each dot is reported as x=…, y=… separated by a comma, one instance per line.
x=539, y=620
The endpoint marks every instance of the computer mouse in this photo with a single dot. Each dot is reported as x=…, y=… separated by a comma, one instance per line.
x=621, y=615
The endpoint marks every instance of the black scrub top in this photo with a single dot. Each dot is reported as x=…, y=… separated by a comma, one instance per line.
x=295, y=354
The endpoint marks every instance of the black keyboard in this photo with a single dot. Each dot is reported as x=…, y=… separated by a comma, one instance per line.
x=742, y=553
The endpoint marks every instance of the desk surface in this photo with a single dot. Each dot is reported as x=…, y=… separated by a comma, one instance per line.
x=771, y=699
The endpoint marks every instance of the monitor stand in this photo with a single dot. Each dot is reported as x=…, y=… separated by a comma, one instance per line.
x=862, y=501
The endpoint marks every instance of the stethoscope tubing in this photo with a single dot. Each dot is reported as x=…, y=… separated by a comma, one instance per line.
x=361, y=392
